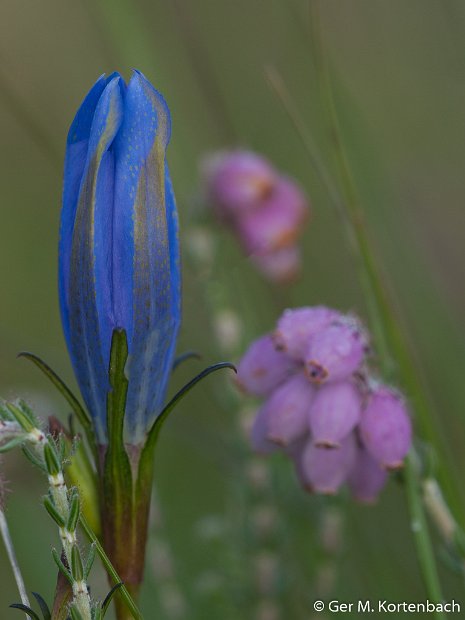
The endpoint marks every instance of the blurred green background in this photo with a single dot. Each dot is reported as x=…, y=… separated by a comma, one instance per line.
x=400, y=76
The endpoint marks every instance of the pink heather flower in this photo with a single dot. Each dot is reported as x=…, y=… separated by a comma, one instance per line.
x=336, y=427
x=263, y=368
x=334, y=413
x=296, y=327
x=277, y=223
x=385, y=427
x=280, y=266
x=287, y=410
x=324, y=470
x=264, y=209
x=237, y=181
x=259, y=433
x=367, y=477
x=336, y=352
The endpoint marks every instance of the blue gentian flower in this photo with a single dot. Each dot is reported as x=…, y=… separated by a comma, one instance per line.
x=119, y=254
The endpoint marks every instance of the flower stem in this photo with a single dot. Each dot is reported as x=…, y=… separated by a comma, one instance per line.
x=13, y=560
x=123, y=591
x=387, y=333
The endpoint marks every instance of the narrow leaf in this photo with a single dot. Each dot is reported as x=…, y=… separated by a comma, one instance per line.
x=21, y=417
x=9, y=445
x=109, y=596
x=5, y=414
x=90, y=561
x=30, y=454
x=161, y=419
x=52, y=463
x=183, y=357
x=26, y=610
x=28, y=412
x=77, y=569
x=117, y=468
x=53, y=512
x=74, y=511
x=61, y=567
x=144, y=478
x=61, y=386
x=43, y=606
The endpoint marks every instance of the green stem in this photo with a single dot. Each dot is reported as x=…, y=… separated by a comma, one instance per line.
x=123, y=591
x=10, y=550
x=387, y=332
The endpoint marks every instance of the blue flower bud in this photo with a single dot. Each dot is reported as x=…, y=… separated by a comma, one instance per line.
x=119, y=253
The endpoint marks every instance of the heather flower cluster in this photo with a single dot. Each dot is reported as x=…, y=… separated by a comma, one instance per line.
x=322, y=407
x=265, y=210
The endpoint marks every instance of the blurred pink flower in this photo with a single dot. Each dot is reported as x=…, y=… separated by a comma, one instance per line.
x=264, y=209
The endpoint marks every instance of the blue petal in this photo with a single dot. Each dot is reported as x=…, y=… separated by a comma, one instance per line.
x=145, y=257
x=75, y=160
x=89, y=291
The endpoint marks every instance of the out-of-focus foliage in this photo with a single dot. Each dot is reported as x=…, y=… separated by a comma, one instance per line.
x=400, y=83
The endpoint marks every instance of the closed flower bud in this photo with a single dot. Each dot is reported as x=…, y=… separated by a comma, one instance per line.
x=335, y=352
x=334, y=413
x=297, y=326
x=119, y=257
x=367, y=477
x=287, y=410
x=237, y=181
x=325, y=470
x=385, y=427
x=262, y=368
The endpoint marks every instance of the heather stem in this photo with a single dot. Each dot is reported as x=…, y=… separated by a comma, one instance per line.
x=388, y=333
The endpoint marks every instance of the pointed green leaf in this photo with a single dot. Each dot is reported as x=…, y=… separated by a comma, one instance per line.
x=74, y=510
x=31, y=455
x=13, y=443
x=90, y=561
x=146, y=459
x=22, y=404
x=118, y=496
x=77, y=569
x=61, y=567
x=161, y=419
x=5, y=414
x=183, y=357
x=52, y=462
x=75, y=405
x=109, y=596
x=21, y=417
x=68, y=395
x=53, y=512
x=43, y=606
x=26, y=610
